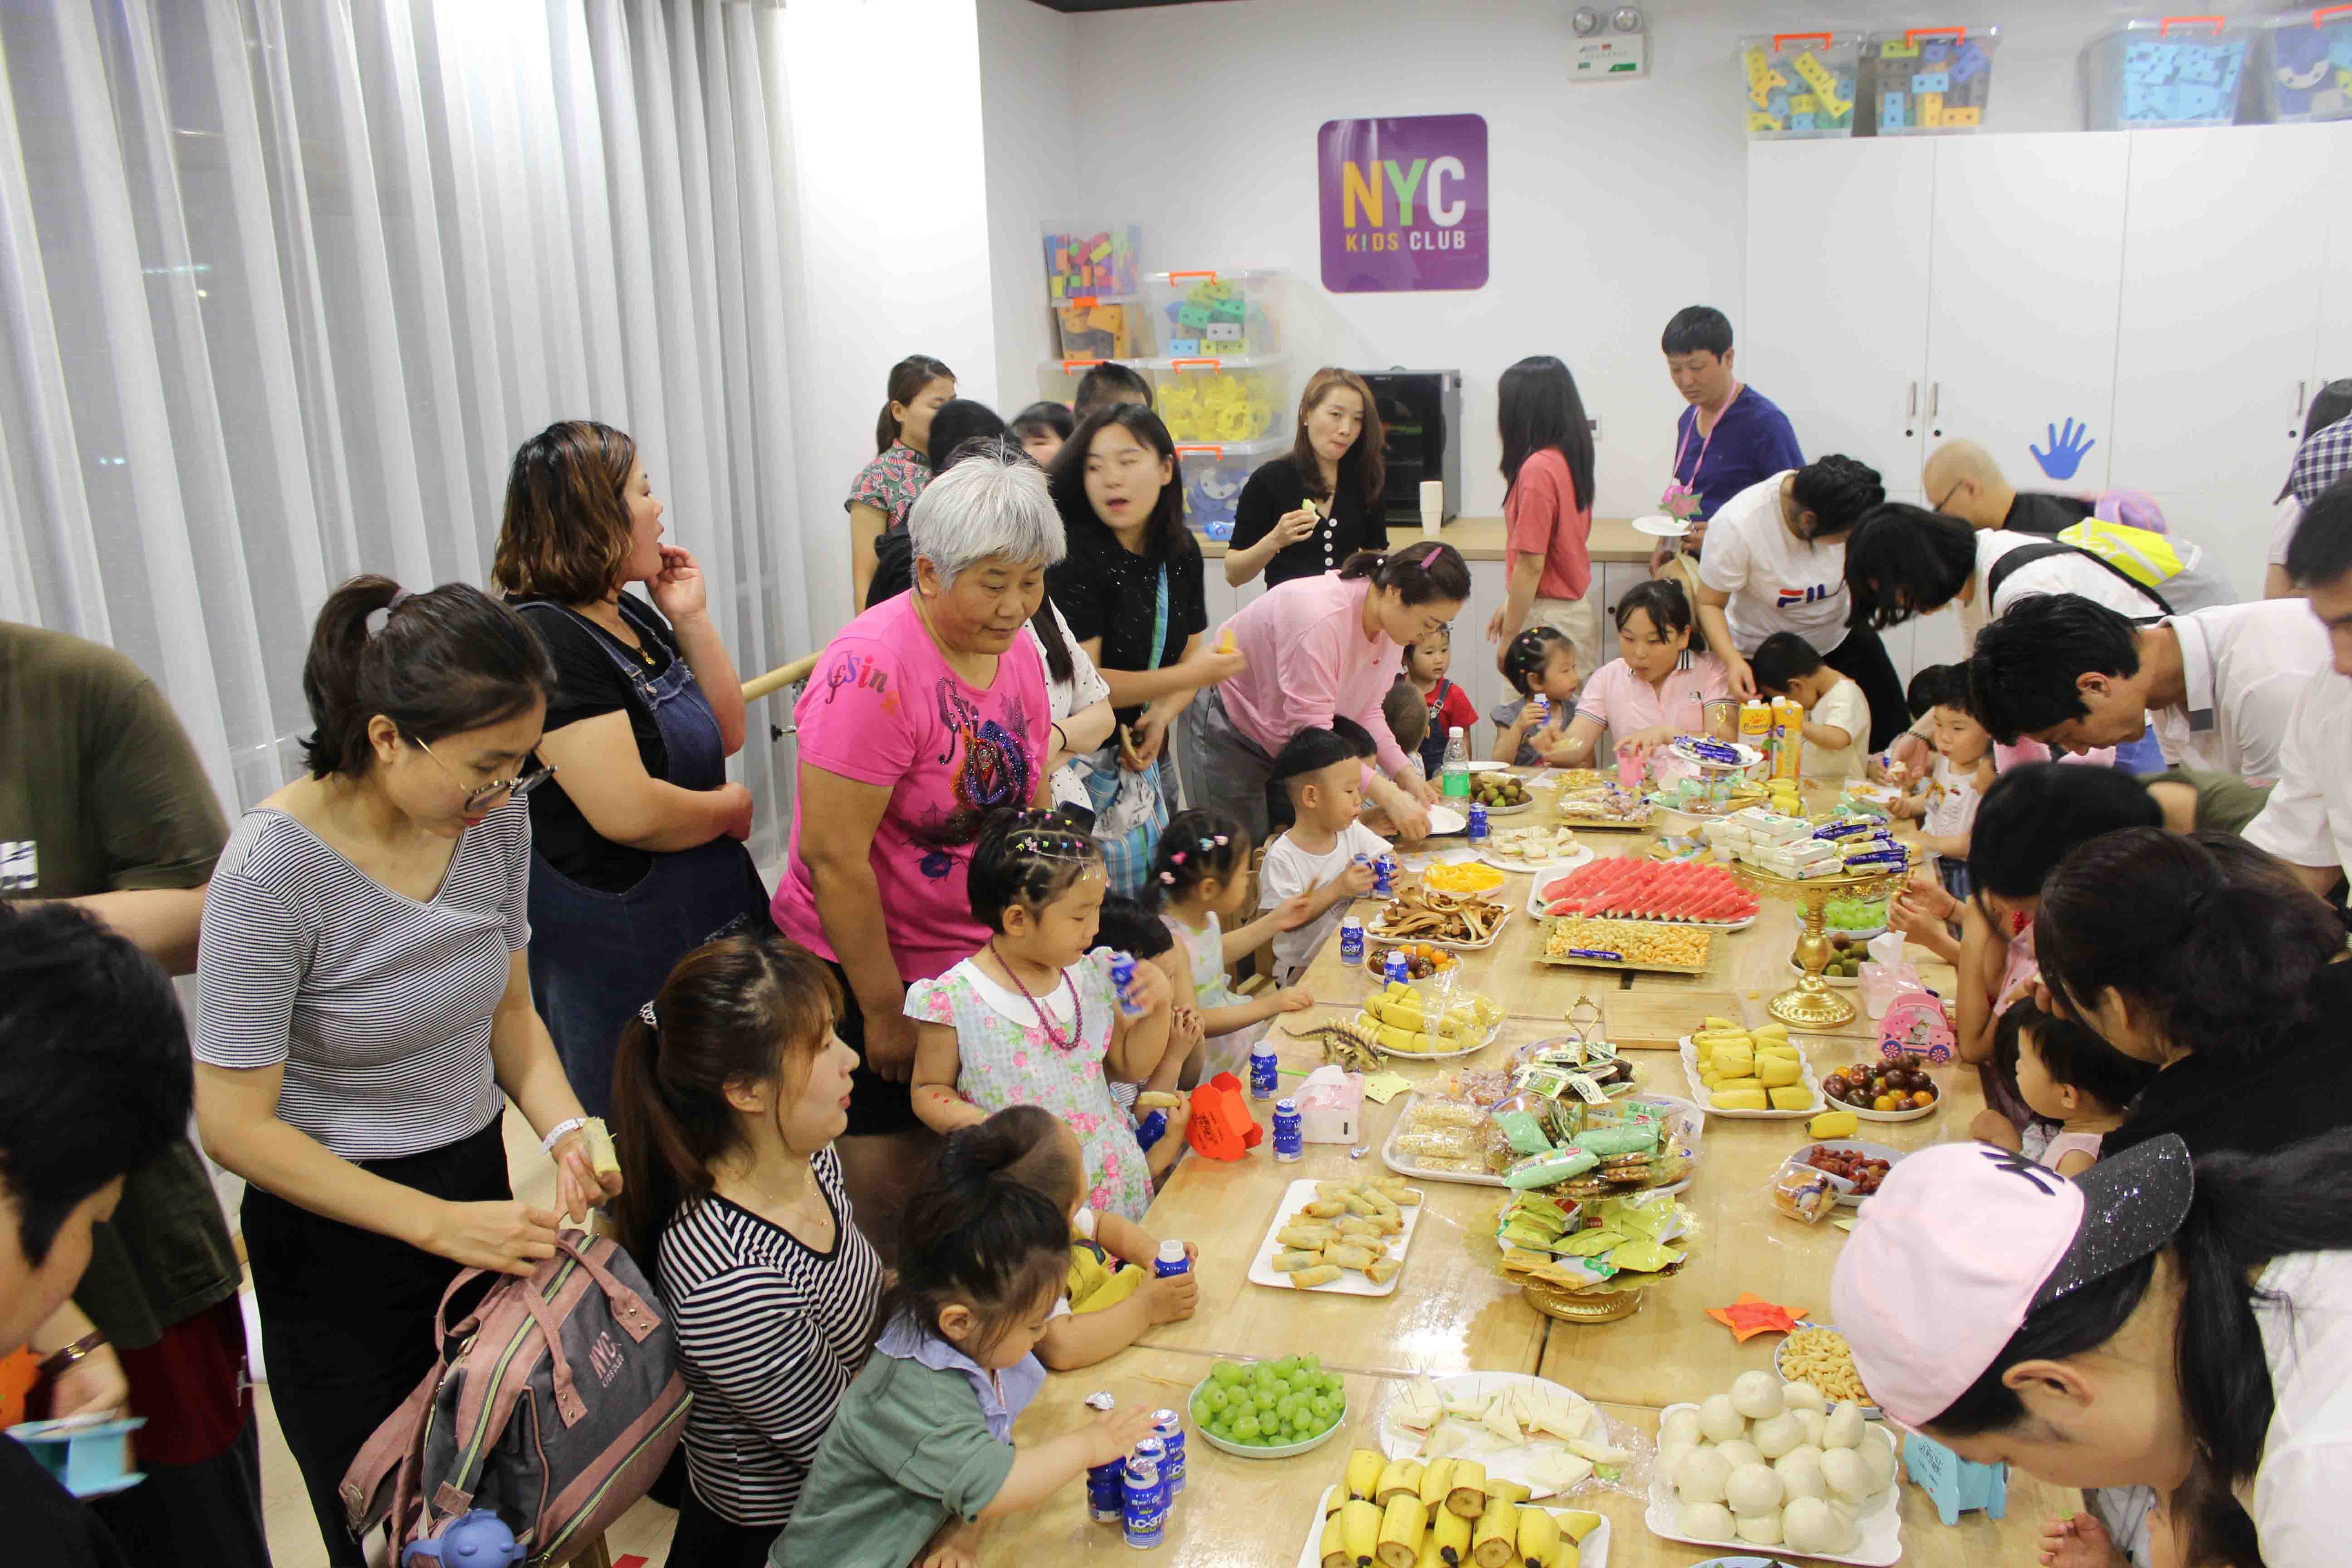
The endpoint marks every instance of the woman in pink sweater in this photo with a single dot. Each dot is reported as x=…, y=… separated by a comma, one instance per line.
x=1319, y=648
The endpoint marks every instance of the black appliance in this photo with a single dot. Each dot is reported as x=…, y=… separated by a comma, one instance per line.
x=1421, y=413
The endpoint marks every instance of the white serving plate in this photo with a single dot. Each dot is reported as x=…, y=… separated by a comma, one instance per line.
x=1698, y=1091
x=1592, y=1552
x=1501, y=1460
x=1869, y=1412
x=1196, y=1427
x=1749, y=755
x=1470, y=1051
x=1849, y=1146
x=1658, y=525
x=1882, y=1523
x=1486, y=765
x=1444, y=819
x=1299, y=1194
x=1404, y=1167
x=1372, y=936
x=1580, y=855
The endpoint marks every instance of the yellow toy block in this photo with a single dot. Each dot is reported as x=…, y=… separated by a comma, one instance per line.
x=1931, y=109
x=1759, y=120
x=1762, y=78
x=1803, y=103
x=1969, y=115
x=1817, y=74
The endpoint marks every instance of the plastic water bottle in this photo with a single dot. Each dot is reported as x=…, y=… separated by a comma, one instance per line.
x=1266, y=1069
x=1171, y=1261
x=1122, y=975
x=1456, y=774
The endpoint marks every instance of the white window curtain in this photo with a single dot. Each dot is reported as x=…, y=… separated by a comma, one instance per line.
x=283, y=283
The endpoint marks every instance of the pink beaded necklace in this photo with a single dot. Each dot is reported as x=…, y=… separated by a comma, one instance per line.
x=1045, y=1019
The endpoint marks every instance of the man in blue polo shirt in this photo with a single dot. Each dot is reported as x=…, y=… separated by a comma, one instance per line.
x=1731, y=435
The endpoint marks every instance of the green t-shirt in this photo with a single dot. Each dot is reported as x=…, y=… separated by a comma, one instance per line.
x=908, y=1446
x=100, y=792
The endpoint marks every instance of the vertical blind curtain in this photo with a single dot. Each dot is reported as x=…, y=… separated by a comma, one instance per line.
x=283, y=283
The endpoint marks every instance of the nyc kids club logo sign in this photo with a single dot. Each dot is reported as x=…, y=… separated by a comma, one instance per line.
x=1403, y=203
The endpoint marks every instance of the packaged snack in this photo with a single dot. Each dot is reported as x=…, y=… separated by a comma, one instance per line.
x=1803, y=1192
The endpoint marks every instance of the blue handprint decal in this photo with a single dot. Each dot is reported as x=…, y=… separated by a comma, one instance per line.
x=2066, y=450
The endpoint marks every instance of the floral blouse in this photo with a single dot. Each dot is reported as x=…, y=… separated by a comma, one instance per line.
x=890, y=483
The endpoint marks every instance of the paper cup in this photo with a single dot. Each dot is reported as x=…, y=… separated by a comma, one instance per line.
x=1433, y=506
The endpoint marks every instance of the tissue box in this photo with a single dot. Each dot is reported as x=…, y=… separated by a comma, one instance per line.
x=1331, y=1105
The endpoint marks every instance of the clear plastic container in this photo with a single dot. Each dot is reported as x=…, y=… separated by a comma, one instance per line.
x=1927, y=81
x=1213, y=476
x=2307, y=71
x=1058, y=379
x=1102, y=326
x=1210, y=401
x=1216, y=315
x=2165, y=70
x=1085, y=260
x=1799, y=85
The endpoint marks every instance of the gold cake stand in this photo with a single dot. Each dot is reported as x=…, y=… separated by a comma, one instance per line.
x=1810, y=1003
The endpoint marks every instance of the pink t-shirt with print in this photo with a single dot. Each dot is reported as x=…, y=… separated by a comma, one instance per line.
x=1624, y=702
x=883, y=709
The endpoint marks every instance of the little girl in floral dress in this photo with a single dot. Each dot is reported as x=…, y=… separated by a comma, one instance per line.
x=1201, y=878
x=1033, y=1017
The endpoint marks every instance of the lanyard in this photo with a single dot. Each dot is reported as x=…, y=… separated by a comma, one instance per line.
x=1683, y=444
x=1160, y=622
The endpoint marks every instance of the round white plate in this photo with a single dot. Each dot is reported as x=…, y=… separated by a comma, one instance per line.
x=1196, y=1427
x=1811, y=1080
x=1444, y=819
x=1749, y=755
x=1869, y=1412
x=1882, y=1523
x=1658, y=525
x=1580, y=856
x=1509, y=1463
x=1849, y=1146
x=1919, y=1113
x=1491, y=1036
x=1486, y=765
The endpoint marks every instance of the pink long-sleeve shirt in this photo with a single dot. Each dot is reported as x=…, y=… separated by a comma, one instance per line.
x=1308, y=661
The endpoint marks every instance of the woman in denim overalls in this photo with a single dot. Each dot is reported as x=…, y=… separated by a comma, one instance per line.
x=637, y=853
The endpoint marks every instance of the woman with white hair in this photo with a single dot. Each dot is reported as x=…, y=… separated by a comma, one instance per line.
x=924, y=714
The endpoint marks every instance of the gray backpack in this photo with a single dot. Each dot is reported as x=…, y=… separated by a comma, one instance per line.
x=556, y=1403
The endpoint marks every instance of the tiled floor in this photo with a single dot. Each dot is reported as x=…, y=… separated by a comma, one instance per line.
x=294, y=1541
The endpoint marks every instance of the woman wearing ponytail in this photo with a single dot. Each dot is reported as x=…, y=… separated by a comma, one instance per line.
x=727, y=1093
x=367, y=1011
x=886, y=489
x=2153, y=1323
x=2202, y=954
x=1315, y=649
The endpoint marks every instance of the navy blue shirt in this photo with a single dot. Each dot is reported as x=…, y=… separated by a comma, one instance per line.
x=1751, y=440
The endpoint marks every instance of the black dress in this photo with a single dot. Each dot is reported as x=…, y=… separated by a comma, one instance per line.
x=1107, y=591
x=1275, y=490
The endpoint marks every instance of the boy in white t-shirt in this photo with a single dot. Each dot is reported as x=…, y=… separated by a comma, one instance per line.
x=1944, y=802
x=1325, y=854
x=1837, y=715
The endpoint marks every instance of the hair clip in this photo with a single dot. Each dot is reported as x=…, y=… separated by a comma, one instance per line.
x=378, y=619
x=1223, y=841
x=645, y=1011
x=1169, y=878
x=1177, y=859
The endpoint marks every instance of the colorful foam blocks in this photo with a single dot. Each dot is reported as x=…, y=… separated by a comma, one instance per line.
x=1933, y=51
x=1931, y=81
x=1893, y=50
x=1969, y=63
x=1967, y=115
x=1761, y=79
x=1759, y=120
x=1894, y=114
x=1817, y=74
x=1801, y=122
x=1803, y=103
x=1931, y=109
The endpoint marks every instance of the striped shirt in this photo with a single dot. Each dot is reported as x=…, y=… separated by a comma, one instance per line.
x=769, y=1333
x=377, y=1007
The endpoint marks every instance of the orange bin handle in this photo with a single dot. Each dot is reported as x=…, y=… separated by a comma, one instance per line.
x=1211, y=276
x=1782, y=40
x=1213, y=451
x=2326, y=11
x=2214, y=24
x=1070, y=364
x=1179, y=364
x=1912, y=35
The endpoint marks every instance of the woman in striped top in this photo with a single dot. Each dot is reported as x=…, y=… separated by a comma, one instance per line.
x=727, y=1094
x=366, y=998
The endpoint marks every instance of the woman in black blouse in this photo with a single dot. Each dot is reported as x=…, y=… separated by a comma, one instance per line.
x=637, y=854
x=1131, y=592
x=1304, y=513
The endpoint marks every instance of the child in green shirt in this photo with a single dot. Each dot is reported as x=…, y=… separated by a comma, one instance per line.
x=922, y=1444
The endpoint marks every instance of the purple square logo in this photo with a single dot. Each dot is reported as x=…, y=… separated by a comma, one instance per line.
x=1403, y=203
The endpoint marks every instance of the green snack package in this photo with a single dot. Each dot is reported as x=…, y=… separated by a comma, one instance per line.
x=1524, y=1134
x=1543, y=1170
x=1588, y=1243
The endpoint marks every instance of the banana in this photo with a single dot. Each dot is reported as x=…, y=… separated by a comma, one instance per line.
x=1450, y=1531
x=1564, y=1555
x=1495, y=1540
x=1360, y=1532
x=1333, y=1552
x=1400, y=1527
x=1468, y=1496
x=1429, y=1557
x=1337, y=1498
x=1538, y=1538
x=1364, y=1466
x=1509, y=1491
x=1397, y=1477
x=1436, y=1480
x=1576, y=1524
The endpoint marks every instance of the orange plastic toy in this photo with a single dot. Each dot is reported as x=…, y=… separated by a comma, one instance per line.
x=1221, y=1127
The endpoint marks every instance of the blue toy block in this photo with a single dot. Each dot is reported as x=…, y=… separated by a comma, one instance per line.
x=1970, y=61
x=1801, y=122
x=2197, y=102
x=1845, y=89
x=1892, y=113
x=1932, y=81
x=1933, y=51
x=1956, y=1485
x=89, y=1458
x=1183, y=348
x=1776, y=103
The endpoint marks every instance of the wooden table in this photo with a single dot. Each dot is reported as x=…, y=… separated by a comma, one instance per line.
x=1454, y=1312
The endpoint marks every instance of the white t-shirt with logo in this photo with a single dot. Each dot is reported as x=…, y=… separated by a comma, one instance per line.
x=1776, y=583
x=2245, y=665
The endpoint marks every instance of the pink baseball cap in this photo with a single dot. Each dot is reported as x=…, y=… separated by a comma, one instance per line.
x=1962, y=1241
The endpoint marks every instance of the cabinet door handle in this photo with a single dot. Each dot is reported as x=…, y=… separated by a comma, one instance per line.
x=1934, y=396
x=1911, y=401
x=2300, y=387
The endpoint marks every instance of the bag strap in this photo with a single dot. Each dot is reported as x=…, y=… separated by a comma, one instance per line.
x=2043, y=550
x=394, y=1452
x=629, y=1310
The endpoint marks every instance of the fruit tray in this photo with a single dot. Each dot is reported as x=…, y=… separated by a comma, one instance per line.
x=1349, y=1283
x=1593, y=1552
x=1881, y=1521
x=1811, y=1080
x=1671, y=878
x=1848, y=1146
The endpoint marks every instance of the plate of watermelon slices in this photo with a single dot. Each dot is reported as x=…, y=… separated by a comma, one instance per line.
x=1678, y=893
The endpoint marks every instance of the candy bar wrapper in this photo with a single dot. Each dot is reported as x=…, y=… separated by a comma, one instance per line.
x=1575, y=1273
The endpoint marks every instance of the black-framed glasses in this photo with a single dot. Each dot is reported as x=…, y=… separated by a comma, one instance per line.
x=518, y=787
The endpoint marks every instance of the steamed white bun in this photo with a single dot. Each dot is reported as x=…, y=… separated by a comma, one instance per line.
x=1802, y=1395
x=1814, y=1422
x=1880, y=1460
x=1844, y=1429
x=1811, y=1525
x=1680, y=1427
x=1800, y=1470
x=1847, y=1476
x=1762, y=1529
x=1753, y=1489
x=1720, y=1420
x=1757, y=1396
x=1701, y=1476
x=1740, y=1451
x=1707, y=1522
x=1775, y=1436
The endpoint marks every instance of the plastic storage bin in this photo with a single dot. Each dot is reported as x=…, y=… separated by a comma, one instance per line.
x=2168, y=70
x=1213, y=477
x=1212, y=402
x=1797, y=85
x=1216, y=315
x=1927, y=81
x=1102, y=327
x=1095, y=292
x=2307, y=73
x=1058, y=379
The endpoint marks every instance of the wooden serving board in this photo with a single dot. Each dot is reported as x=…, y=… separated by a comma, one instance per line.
x=1657, y=1020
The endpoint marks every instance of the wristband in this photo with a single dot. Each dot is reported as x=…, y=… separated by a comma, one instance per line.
x=56, y=1363
x=547, y=1144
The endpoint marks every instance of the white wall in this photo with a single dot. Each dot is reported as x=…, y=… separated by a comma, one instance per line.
x=1615, y=204
x=882, y=93
x=1028, y=137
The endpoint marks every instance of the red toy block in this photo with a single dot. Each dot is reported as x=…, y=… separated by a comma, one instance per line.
x=1221, y=1127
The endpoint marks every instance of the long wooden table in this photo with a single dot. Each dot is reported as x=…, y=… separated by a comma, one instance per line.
x=1453, y=1310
